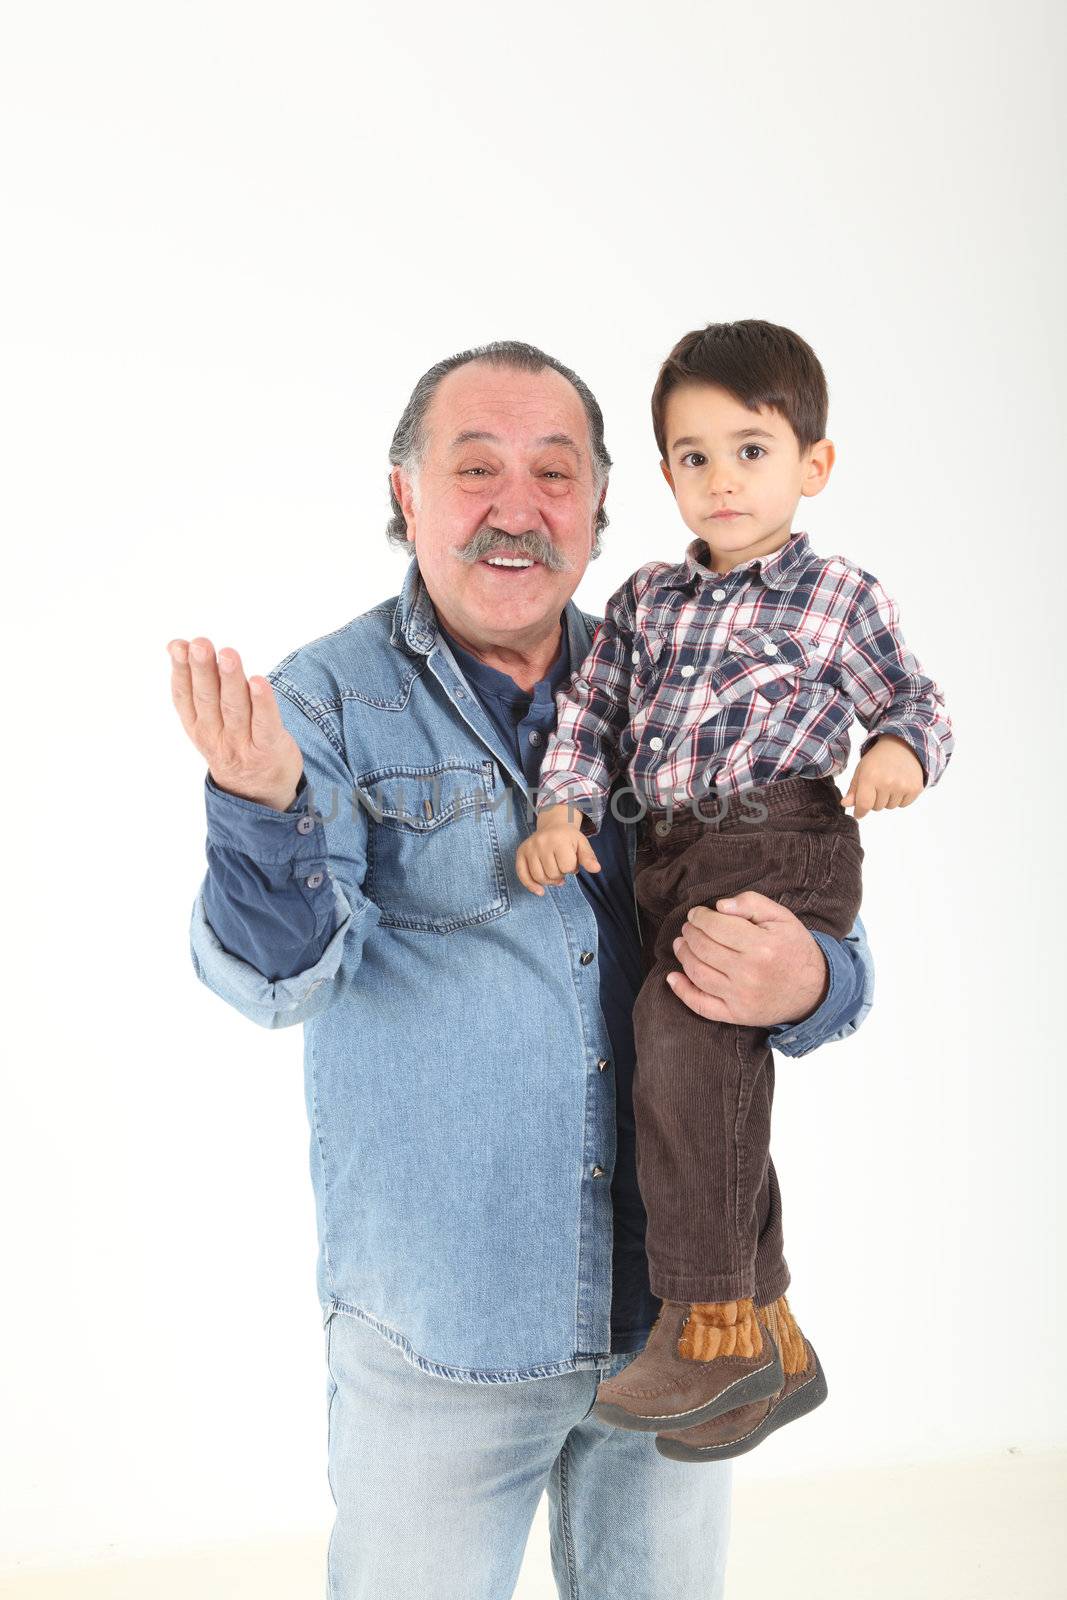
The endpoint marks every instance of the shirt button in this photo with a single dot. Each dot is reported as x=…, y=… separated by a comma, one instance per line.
x=603, y=1064
x=687, y=672
x=585, y=957
x=314, y=881
x=770, y=649
x=635, y=656
x=655, y=743
x=598, y=1172
x=305, y=824
x=535, y=737
x=718, y=594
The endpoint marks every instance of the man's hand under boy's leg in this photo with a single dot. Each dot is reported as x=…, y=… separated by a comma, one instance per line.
x=748, y=960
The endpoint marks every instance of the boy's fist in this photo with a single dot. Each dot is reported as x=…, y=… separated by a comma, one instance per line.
x=558, y=846
x=889, y=775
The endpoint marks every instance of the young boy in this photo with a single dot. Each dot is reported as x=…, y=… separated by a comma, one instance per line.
x=725, y=684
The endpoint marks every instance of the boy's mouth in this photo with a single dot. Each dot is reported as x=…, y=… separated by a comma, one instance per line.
x=726, y=516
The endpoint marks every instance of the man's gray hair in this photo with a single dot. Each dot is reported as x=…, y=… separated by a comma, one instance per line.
x=409, y=440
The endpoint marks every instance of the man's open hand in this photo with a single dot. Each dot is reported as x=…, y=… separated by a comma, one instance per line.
x=750, y=962
x=235, y=724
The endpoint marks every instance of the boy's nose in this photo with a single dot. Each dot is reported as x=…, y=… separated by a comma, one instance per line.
x=720, y=481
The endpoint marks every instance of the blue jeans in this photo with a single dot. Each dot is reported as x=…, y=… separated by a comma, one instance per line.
x=436, y=1484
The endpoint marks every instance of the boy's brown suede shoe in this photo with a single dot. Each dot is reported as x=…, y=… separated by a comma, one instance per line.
x=663, y=1388
x=734, y=1432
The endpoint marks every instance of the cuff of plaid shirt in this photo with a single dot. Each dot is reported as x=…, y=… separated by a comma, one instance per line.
x=930, y=749
x=564, y=788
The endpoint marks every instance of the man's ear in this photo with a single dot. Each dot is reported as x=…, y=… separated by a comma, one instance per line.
x=821, y=459
x=666, y=471
x=402, y=489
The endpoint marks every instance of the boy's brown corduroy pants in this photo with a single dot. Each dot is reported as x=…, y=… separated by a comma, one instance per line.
x=702, y=1089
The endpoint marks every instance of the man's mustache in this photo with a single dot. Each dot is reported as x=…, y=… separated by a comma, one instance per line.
x=493, y=541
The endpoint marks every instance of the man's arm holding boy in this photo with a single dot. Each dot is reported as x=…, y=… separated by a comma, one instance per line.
x=750, y=961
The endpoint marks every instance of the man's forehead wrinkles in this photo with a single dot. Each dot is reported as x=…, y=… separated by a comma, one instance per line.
x=476, y=434
x=563, y=439
x=469, y=435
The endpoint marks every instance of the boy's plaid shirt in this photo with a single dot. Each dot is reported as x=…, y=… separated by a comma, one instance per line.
x=696, y=682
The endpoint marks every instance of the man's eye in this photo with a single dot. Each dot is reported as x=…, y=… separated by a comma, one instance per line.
x=758, y=447
x=465, y=470
x=553, y=472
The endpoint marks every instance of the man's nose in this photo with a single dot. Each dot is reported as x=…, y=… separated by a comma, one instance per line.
x=513, y=512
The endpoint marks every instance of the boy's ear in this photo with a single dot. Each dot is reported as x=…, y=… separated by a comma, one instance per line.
x=820, y=464
x=666, y=471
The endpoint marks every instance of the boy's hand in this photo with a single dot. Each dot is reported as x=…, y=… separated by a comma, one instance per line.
x=558, y=846
x=889, y=775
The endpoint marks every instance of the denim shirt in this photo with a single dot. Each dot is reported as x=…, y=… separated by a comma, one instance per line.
x=467, y=1051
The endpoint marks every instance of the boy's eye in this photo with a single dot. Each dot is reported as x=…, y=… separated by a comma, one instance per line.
x=758, y=447
x=693, y=455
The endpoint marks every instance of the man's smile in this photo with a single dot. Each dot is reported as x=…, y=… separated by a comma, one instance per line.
x=501, y=563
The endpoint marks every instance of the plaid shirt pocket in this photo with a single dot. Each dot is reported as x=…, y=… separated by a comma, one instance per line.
x=767, y=661
x=757, y=665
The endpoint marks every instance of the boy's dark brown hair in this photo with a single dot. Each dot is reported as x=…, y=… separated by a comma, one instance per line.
x=760, y=364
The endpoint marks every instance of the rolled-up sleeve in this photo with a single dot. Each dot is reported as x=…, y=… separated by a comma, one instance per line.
x=268, y=893
x=849, y=996
x=282, y=894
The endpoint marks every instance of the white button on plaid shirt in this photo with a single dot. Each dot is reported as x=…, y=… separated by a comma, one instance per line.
x=699, y=682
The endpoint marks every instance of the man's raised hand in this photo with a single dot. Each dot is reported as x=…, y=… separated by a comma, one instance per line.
x=235, y=724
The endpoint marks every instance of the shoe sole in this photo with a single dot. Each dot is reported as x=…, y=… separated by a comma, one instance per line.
x=800, y=1402
x=759, y=1385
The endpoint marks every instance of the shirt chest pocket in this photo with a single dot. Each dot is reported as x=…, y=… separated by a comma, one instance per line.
x=434, y=862
x=769, y=662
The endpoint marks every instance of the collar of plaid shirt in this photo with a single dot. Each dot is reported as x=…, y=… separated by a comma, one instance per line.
x=780, y=569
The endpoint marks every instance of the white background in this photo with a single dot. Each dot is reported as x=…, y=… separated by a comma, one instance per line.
x=235, y=236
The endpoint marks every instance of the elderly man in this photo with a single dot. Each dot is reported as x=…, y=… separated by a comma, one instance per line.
x=468, y=1047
